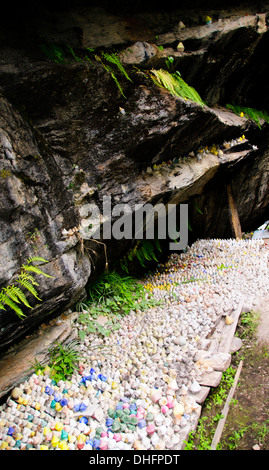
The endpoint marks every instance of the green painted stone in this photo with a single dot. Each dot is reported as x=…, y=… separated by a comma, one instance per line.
x=131, y=427
x=125, y=419
x=116, y=426
x=133, y=420
x=149, y=416
x=111, y=412
x=123, y=427
x=64, y=435
x=119, y=413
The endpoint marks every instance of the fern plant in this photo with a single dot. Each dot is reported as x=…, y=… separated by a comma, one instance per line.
x=13, y=295
x=253, y=114
x=144, y=250
x=114, y=59
x=174, y=83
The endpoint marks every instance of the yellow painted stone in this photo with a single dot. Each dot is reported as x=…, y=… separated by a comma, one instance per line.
x=55, y=441
x=178, y=410
x=63, y=445
x=59, y=426
x=46, y=430
x=58, y=407
x=229, y=320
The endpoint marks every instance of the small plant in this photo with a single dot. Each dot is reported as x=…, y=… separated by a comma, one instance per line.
x=64, y=360
x=144, y=251
x=248, y=324
x=201, y=439
x=114, y=296
x=53, y=53
x=169, y=62
x=12, y=295
x=89, y=319
x=37, y=366
x=235, y=438
x=253, y=114
x=113, y=59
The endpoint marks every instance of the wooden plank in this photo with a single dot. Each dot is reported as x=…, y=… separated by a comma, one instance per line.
x=221, y=423
x=234, y=217
x=228, y=331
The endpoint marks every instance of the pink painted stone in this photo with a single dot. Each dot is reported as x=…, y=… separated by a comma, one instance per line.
x=117, y=436
x=164, y=409
x=150, y=429
x=125, y=405
x=170, y=403
x=103, y=444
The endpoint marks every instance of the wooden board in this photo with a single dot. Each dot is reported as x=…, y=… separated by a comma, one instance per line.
x=234, y=217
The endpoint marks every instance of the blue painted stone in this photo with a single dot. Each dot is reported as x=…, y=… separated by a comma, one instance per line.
x=63, y=402
x=142, y=423
x=82, y=407
x=10, y=431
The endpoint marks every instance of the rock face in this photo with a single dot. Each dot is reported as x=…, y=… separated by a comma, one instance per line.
x=69, y=137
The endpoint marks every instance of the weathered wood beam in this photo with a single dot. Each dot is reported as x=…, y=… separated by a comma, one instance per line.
x=234, y=217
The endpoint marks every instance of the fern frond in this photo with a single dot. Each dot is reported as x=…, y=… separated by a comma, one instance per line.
x=175, y=85
x=5, y=299
x=114, y=59
x=29, y=286
x=27, y=277
x=11, y=292
x=36, y=259
x=34, y=269
x=12, y=295
x=20, y=295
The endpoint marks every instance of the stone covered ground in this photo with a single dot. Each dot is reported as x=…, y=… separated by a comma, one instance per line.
x=144, y=387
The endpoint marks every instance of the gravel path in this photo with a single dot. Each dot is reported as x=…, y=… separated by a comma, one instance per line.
x=143, y=388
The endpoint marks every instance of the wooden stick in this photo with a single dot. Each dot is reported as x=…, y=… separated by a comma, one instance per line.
x=225, y=410
x=234, y=217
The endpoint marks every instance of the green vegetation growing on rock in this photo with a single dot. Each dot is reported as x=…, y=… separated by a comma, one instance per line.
x=12, y=295
x=253, y=114
x=144, y=251
x=174, y=83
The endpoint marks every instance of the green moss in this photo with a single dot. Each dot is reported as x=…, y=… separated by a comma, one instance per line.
x=5, y=173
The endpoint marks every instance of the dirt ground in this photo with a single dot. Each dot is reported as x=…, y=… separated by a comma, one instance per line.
x=247, y=425
x=263, y=327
